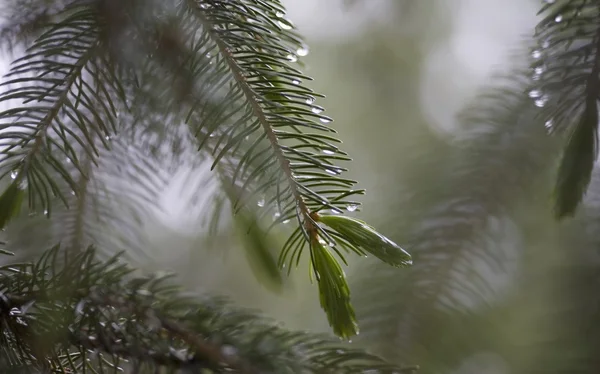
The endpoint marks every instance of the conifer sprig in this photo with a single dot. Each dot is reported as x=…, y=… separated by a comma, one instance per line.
x=566, y=70
x=89, y=315
x=225, y=68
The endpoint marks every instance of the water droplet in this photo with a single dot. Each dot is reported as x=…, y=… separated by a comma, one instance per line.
x=276, y=215
x=328, y=152
x=546, y=43
x=536, y=54
x=549, y=124
x=107, y=137
x=279, y=14
x=332, y=172
x=539, y=70
x=68, y=160
x=285, y=222
x=261, y=202
x=310, y=100
x=558, y=18
x=352, y=208
x=316, y=110
x=228, y=350
x=79, y=307
x=204, y=5
x=13, y=174
x=295, y=81
x=325, y=120
x=14, y=312
x=46, y=212
x=535, y=93
x=292, y=58
x=541, y=101
x=208, y=55
x=285, y=25
x=549, y=1
x=302, y=51
x=72, y=192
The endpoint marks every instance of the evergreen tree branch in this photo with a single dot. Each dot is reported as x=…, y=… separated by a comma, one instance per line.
x=568, y=62
x=224, y=68
x=92, y=313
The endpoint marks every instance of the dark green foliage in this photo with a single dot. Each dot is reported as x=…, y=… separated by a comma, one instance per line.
x=106, y=102
x=10, y=203
x=104, y=72
x=566, y=66
x=89, y=315
x=579, y=156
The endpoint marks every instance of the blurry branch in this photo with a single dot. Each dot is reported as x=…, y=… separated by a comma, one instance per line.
x=505, y=151
x=89, y=315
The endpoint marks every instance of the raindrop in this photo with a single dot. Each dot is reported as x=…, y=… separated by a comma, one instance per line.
x=45, y=212
x=310, y=100
x=325, y=120
x=332, y=172
x=302, y=51
x=316, y=110
x=72, y=192
x=107, y=137
x=352, y=208
x=287, y=26
x=549, y=124
x=536, y=54
x=204, y=5
x=285, y=222
x=535, y=93
x=68, y=160
x=328, y=152
x=546, y=43
x=228, y=350
x=541, y=101
x=295, y=81
x=261, y=202
x=539, y=70
x=79, y=307
x=14, y=312
x=558, y=18
x=292, y=58
x=13, y=174
x=279, y=14
x=276, y=215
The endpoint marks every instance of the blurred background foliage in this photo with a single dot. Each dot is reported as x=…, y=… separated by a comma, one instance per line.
x=457, y=174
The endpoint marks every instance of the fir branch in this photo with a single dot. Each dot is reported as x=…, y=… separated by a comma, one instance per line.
x=100, y=311
x=567, y=63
